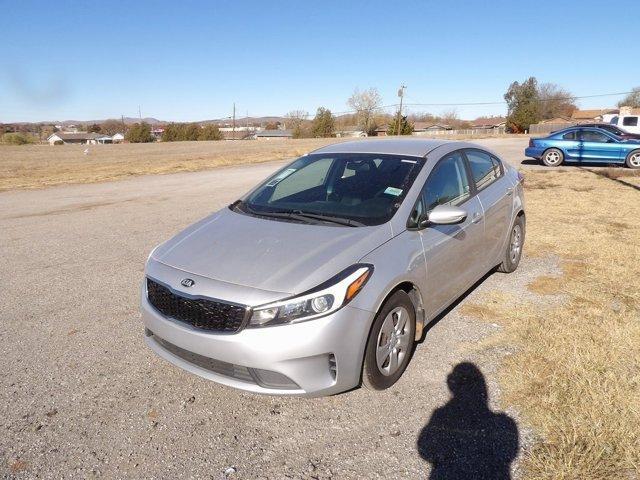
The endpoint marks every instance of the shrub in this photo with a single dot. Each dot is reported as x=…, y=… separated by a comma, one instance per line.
x=58, y=142
x=140, y=133
x=17, y=139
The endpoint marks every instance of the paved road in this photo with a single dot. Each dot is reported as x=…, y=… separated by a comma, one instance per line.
x=81, y=396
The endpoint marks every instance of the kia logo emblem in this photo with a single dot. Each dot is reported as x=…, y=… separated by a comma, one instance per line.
x=187, y=282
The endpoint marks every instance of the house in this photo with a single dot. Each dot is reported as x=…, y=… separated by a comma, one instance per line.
x=381, y=131
x=351, y=132
x=117, y=138
x=157, y=133
x=589, y=116
x=629, y=111
x=82, y=138
x=272, y=135
x=489, y=123
x=102, y=139
x=230, y=134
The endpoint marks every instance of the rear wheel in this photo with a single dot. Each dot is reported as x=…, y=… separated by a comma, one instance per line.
x=633, y=159
x=391, y=342
x=513, y=252
x=552, y=157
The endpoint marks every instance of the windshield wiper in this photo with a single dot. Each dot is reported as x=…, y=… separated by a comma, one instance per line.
x=330, y=218
x=289, y=215
x=299, y=215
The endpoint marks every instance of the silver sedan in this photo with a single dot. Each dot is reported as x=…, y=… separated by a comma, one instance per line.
x=323, y=277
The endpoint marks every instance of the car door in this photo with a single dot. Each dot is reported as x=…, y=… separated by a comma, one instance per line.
x=598, y=146
x=495, y=193
x=452, y=252
x=571, y=145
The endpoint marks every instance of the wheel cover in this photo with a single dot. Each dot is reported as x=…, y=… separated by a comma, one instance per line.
x=393, y=341
x=553, y=157
x=634, y=160
x=515, y=246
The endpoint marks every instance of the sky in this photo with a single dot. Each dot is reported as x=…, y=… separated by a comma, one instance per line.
x=191, y=60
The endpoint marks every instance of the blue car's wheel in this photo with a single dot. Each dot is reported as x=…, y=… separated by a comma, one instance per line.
x=552, y=157
x=633, y=159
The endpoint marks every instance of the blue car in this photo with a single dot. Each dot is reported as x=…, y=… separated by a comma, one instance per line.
x=584, y=145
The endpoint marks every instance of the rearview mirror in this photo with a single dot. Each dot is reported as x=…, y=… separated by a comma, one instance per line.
x=446, y=215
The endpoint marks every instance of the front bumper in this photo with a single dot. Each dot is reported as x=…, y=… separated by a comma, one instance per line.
x=320, y=357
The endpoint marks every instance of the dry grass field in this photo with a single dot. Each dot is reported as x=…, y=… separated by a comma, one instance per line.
x=575, y=373
x=35, y=166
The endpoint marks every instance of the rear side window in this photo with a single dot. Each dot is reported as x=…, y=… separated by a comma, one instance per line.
x=630, y=121
x=569, y=136
x=591, y=136
x=484, y=169
x=447, y=184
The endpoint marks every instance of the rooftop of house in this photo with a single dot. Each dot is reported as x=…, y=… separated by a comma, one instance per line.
x=77, y=135
x=591, y=114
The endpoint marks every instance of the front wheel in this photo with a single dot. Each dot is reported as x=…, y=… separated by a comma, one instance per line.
x=391, y=342
x=552, y=157
x=633, y=159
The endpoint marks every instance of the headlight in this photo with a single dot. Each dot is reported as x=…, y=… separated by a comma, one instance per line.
x=322, y=300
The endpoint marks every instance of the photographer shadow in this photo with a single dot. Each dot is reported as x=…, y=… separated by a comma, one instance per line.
x=464, y=439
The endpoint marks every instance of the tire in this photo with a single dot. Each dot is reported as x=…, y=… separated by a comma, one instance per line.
x=513, y=251
x=633, y=159
x=552, y=157
x=385, y=332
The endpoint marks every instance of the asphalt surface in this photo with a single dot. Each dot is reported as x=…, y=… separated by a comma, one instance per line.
x=81, y=396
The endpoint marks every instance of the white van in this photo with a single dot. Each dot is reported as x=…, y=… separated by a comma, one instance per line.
x=629, y=123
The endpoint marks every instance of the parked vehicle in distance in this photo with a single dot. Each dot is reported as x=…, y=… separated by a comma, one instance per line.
x=584, y=145
x=628, y=123
x=325, y=275
x=617, y=131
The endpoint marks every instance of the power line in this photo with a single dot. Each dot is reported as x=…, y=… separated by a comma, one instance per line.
x=468, y=104
x=504, y=103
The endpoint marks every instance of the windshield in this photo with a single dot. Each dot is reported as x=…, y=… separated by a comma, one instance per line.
x=365, y=189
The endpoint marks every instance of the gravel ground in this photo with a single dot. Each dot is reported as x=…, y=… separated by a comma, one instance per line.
x=81, y=396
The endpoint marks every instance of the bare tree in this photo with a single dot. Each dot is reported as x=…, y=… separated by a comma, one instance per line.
x=296, y=120
x=554, y=101
x=365, y=104
x=632, y=99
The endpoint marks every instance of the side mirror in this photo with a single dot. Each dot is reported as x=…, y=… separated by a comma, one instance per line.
x=444, y=215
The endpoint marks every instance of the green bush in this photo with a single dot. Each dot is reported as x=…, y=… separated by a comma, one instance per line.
x=17, y=139
x=58, y=142
x=139, y=133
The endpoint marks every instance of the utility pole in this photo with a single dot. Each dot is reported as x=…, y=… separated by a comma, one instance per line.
x=233, y=124
x=401, y=95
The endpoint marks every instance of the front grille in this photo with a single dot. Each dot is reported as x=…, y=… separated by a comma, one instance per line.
x=206, y=314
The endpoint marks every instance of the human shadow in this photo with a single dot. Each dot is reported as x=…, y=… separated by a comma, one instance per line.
x=464, y=439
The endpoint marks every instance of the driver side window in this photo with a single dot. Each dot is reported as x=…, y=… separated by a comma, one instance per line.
x=447, y=184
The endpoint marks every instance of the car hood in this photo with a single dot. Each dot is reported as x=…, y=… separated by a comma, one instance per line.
x=268, y=254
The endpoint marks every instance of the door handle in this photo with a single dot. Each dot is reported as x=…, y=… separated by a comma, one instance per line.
x=509, y=190
x=476, y=217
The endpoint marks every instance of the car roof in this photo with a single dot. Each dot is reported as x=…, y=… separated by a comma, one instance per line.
x=399, y=146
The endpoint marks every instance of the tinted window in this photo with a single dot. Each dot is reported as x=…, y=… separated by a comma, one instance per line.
x=630, y=121
x=447, y=184
x=367, y=188
x=483, y=170
x=591, y=136
x=569, y=136
x=314, y=176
